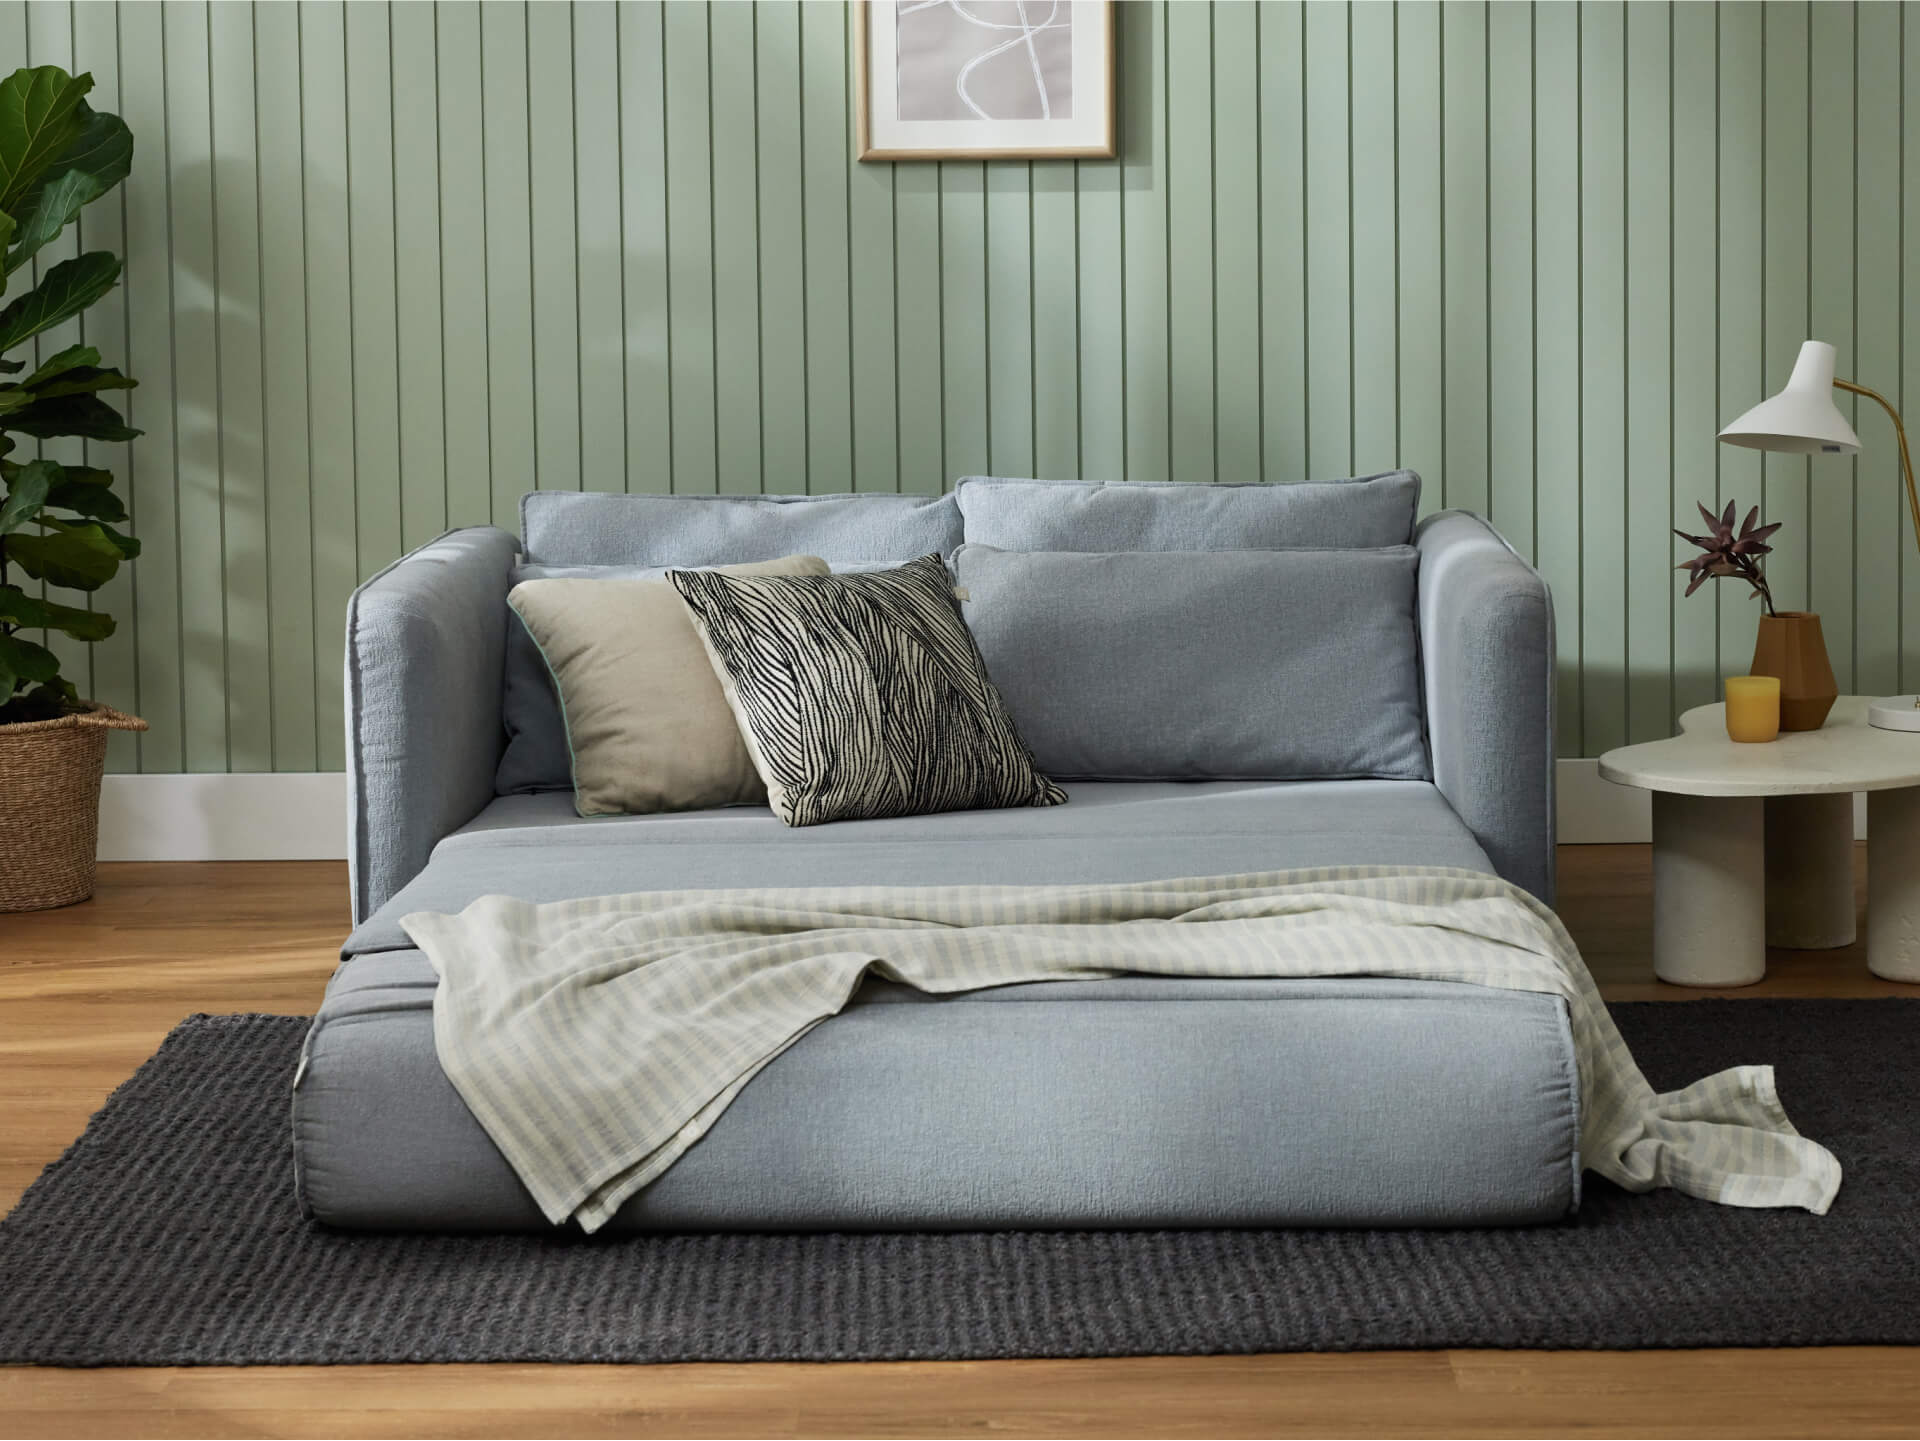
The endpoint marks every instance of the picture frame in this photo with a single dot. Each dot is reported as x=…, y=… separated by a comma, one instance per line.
x=968, y=96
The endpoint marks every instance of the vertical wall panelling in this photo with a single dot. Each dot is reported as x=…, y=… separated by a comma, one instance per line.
x=1191, y=214
x=1693, y=404
x=689, y=204
x=1434, y=352
x=873, y=286
x=1763, y=185
x=963, y=304
x=782, y=278
x=466, y=384
x=644, y=312
x=1328, y=206
x=1236, y=243
x=1055, y=321
x=820, y=59
x=597, y=179
x=1143, y=236
x=1463, y=251
x=1512, y=277
x=419, y=388
x=1878, y=514
x=1283, y=220
x=1832, y=485
x=1557, y=343
x=389, y=267
x=239, y=402
x=1372, y=238
x=1771, y=132
x=1905, y=393
x=1009, y=319
x=553, y=100
x=1647, y=356
x=733, y=111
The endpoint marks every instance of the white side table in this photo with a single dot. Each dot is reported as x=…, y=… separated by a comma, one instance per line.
x=1753, y=844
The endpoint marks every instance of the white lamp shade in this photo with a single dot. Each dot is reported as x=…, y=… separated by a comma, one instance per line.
x=1802, y=418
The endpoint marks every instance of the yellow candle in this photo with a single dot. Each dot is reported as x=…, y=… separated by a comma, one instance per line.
x=1753, y=707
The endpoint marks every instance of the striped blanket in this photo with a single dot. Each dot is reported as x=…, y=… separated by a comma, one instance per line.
x=596, y=1040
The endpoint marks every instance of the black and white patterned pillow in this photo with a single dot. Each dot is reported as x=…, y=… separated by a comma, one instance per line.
x=861, y=696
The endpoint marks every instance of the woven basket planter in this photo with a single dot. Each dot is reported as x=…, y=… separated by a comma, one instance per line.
x=50, y=806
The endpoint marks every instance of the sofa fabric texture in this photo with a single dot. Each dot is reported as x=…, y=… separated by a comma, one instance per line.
x=1137, y=1102
x=647, y=723
x=1487, y=650
x=861, y=696
x=426, y=639
x=1365, y=512
x=1212, y=665
x=536, y=848
x=585, y=528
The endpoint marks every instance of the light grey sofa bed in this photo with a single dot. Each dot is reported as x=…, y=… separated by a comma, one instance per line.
x=1131, y=1102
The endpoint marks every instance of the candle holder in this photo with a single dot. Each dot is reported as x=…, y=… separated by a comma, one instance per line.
x=1753, y=707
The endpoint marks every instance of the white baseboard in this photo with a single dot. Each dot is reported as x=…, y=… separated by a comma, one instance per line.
x=260, y=817
x=303, y=817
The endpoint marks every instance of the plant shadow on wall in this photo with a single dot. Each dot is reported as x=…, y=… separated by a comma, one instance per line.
x=57, y=522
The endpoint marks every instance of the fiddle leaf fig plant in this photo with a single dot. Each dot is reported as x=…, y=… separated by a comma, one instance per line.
x=58, y=522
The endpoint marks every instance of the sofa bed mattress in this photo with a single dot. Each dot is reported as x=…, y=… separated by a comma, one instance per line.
x=1139, y=1101
x=536, y=848
x=1133, y=1102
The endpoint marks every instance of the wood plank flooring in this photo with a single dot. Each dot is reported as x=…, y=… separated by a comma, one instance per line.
x=87, y=993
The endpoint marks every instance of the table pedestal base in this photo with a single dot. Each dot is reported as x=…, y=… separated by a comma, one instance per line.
x=1709, y=877
x=1810, y=872
x=1893, y=884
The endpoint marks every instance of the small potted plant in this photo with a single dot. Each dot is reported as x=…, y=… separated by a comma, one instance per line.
x=57, y=521
x=1789, y=645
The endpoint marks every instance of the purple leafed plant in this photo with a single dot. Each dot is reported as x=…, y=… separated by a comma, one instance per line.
x=1723, y=553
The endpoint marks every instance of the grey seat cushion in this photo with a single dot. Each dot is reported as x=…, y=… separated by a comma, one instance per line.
x=535, y=846
x=1369, y=510
x=562, y=527
x=1191, y=665
x=1133, y=1102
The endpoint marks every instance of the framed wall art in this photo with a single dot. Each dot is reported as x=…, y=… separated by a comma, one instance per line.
x=984, y=79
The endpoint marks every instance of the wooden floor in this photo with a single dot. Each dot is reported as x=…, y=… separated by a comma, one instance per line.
x=87, y=993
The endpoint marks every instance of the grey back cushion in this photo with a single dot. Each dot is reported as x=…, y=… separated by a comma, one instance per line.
x=1368, y=511
x=563, y=527
x=536, y=757
x=1222, y=665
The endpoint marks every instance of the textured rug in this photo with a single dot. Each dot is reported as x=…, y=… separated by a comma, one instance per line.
x=167, y=1235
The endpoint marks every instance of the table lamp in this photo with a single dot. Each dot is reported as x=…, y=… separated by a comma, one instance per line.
x=1803, y=420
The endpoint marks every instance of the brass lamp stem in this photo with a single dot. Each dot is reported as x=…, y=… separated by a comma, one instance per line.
x=1906, y=460
x=1900, y=434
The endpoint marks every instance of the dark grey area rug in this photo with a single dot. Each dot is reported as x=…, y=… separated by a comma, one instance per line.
x=168, y=1235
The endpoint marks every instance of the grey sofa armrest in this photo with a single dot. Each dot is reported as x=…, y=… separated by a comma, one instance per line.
x=425, y=641
x=1487, y=657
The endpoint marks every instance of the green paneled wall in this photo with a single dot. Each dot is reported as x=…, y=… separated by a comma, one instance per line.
x=390, y=266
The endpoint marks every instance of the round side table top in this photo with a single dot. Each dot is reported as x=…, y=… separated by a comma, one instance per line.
x=1845, y=754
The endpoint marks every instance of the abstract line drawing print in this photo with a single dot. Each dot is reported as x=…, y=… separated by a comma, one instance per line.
x=984, y=59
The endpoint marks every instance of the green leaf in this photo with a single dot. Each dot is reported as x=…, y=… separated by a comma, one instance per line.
x=73, y=355
x=47, y=702
x=12, y=399
x=39, y=119
x=125, y=544
x=96, y=160
x=64, y=291
x=80, y=557
x=60, y=415
x=27, y=494
x=19, y=608
x=81, y=380
x=86, y=493
x=22, y=663
x=11, y=367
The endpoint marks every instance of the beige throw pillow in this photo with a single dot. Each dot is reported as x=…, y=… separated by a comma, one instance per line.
x=647, y=724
